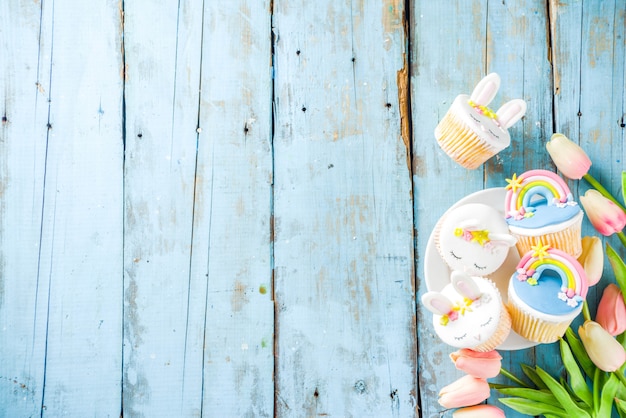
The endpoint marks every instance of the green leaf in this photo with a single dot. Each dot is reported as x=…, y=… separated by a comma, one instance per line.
x=504, y=372
x=576, y=378
x=561, y=395
x=528, y=407
x=578, y=349
x=621, y=406
x=619, y=268
x=532, y=375
x=498, y=386
x=544, y=396
x=606, y=397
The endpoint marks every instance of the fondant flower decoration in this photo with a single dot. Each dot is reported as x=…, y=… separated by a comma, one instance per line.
x=532, y=281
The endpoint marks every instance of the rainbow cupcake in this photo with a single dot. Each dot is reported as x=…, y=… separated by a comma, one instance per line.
x=470, y=133
x=545, y=294
x=539, y=207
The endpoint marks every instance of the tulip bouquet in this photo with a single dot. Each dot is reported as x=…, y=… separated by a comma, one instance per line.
x=595, y=357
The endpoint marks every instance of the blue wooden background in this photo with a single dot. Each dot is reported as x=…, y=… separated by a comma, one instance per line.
x=220, y=209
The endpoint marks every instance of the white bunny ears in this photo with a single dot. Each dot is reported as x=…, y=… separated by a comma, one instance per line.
x=486, y=90
x=464, y=285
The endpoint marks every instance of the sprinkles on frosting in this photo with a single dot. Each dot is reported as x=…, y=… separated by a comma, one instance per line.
x=480, y=236
x=543, y=258
x=485, y=111
x=463, y=307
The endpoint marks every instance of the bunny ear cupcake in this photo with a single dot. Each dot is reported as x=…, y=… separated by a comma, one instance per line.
x=468, y=313
x=546, y=293
x=473, y=238
x=470, y=132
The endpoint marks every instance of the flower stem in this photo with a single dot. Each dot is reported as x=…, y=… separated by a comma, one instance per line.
x=620, y=375
x=511, y=376
x=586, y=313
x=604, y=192
x=622, y=237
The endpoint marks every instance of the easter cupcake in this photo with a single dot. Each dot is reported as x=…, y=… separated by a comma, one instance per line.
x=545, y=294
x=470, y=133
x=469, y=313
x=473, y=238
x=539, y=207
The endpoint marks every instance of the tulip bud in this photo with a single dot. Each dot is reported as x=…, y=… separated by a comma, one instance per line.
x=612, y=310
x=603, y=350
x=479, y=411
x=465, y=391
x=481, y=365
x=605, y=216
x=592, y=259
x=568, y=157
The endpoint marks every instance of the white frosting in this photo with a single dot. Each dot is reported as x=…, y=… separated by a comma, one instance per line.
x=482, y=253
x=495, y=136
x=473, y=324
x=514, y=298
x=549, y=229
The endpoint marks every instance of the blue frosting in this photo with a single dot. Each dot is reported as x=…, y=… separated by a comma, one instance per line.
x=545, y=215
x=543, y=297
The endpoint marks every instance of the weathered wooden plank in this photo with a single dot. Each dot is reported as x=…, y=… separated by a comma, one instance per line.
x=444, y=63
x=71, y=211
x=232, y=253
x=25, y=41
x=501, y=37
x=343, y=228
x=162, y=44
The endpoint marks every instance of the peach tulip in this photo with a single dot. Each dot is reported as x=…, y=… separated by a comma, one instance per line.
x=466, y=391
x=603, y=350
x=612, y=310
x=592, y=259
x=479, y=411
x=474, y=363
x=568, y=157
x=605, y=216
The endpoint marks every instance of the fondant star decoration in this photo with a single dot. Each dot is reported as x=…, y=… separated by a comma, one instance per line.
x=540, y=251
x=513, y=183
x=480, y=237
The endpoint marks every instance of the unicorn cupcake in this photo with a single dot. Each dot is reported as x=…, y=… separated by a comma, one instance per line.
x=539, y=207
x=546, y=293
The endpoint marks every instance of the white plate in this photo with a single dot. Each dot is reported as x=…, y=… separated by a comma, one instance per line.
x=437, y=273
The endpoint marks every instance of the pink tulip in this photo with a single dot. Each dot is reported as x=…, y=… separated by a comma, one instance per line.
x=612, y=310
x=465, y=391
x=603, y=350
x=474, y=363
x=568, y=157
x=605, y=216
x=592, y=259
x=479, y=411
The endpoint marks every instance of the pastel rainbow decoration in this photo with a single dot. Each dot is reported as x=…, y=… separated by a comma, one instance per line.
x=531, y=184
x=542, y=258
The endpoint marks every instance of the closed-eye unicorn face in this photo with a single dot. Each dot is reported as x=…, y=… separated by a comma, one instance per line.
x=474, y=238
x=466, y=312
